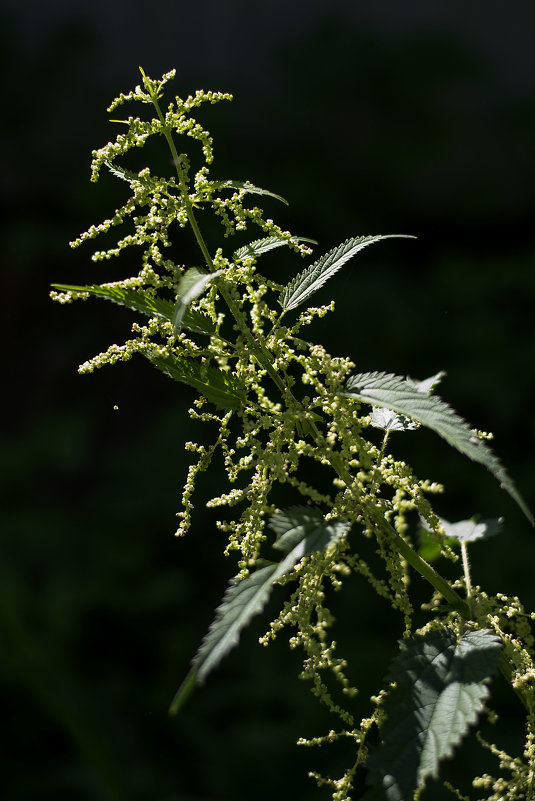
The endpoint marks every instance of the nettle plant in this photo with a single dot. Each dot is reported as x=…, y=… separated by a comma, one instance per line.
x=276, y=402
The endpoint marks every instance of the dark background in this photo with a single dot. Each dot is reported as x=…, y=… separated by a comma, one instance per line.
x=375, y=117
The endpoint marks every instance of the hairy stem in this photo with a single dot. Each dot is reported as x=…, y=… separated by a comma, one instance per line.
x=181, y=180
x=258, y=349
x=378, y=520
x=264, y=358
x=467, y=578
x=378, y=465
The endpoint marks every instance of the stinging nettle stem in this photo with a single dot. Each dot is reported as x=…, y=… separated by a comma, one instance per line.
x=476, y=630
x=467, y=578
x=260, y=351
x=264, y=358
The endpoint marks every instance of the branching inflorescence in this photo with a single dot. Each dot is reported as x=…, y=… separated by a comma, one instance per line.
x=280, y=403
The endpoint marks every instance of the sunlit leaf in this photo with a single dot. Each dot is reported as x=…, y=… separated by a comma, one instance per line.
x=267, y=243
x=427, y=385
x=140, y=301
x=312, y=278
x=391, y=391
x=125, y=175
x=389, y=420
x=217, y=386
x=191, y=285
x=245, y=186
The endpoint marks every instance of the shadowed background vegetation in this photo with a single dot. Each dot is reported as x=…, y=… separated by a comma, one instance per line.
x=367, y=121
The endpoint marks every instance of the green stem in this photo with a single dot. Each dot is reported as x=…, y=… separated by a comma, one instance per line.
x=264, y=358
x=378, y=464
x=258, y=349
x=181, y=179
x=467, y=578
x=378, y=520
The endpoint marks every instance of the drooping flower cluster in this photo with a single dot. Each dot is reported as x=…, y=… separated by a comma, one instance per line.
x=275, y=401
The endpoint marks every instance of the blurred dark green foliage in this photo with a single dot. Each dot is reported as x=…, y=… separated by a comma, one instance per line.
x=100, y=607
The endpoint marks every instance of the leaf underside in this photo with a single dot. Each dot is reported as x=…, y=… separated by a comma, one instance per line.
x=191, y=286
x=299, y=530
x=441, y=686
x=389, y=420
x=397, y=394
x=469, y=530
x=312, y=278
x=140, y=301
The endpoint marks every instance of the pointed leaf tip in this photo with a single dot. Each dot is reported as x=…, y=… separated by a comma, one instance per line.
x=299, y=530
x=141, y=301
x=312, y=278
x=218, y=386
x=399, y=395
x=267, y=243
x=246, y=186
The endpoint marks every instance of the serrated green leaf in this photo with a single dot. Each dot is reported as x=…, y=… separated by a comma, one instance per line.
x=300, y=530
x=218, y=387
x=388, y=420
x=191, y=285
x=393, y=392
x=441, y=687
x=468, y=530
x=135, y=299
x=312, y=278
x=140, y=301
x=246, y=186
x=267, y=243
x=305, y=525
x=125, y=175
x=242, y=601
